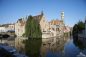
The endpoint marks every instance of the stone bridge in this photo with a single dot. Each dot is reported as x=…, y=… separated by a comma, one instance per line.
x=7, y=34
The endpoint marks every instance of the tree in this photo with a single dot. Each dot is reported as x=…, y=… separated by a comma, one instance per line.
x=75, y=29
x=81, y=26
x=32, y=28
x=34, y=34
x=78, y=29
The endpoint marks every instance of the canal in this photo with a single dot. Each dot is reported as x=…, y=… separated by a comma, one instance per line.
x=56, y=47
x=68, y=48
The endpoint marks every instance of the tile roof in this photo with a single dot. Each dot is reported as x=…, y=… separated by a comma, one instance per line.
x=22, y=22
x=55, y=22
x=38, y=17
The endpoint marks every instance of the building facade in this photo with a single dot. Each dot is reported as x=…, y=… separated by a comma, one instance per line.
x=7, y=27
x=11, y=27
x=20, y=24
x=57, y=26
x=20, y=27
x=52, y=28
x=2, y=29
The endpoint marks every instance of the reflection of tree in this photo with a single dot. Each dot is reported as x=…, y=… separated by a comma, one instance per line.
x=33, y=49
x=79, y=44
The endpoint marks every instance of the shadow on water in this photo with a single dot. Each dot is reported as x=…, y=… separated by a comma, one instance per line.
x=32, y=47
x=80, y=43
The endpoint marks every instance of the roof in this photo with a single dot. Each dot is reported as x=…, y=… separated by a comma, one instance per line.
x=38, y=17
x=22, y=22
x=66, y=29
x=55, y=22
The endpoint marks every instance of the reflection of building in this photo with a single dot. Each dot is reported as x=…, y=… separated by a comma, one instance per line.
x=53, y=47
x=19, y=43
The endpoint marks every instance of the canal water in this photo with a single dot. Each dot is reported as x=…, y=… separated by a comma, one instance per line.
x=53, y=48
x=67, y=48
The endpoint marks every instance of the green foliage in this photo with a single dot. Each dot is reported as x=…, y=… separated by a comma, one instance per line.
x=81, y=26
x=78, y=27
x=75, y=29
x=32, y=28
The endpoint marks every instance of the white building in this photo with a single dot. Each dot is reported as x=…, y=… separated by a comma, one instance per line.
x=11, y=27
x=3, y=29
x=7, y=27
x=20, y=27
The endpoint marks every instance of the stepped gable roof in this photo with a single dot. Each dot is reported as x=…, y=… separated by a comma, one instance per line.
x=38, y=17
x=22, y=22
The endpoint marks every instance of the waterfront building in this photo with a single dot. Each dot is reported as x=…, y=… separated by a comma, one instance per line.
x=44, y=25
x=20, y=24
x=42, y=21
x=57, y=26
x=49, y=29
x=7, y=27
x=2, y=29
x=20, y=27
x=11, y=27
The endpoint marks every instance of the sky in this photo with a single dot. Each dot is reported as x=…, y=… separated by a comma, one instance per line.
x=12, y=10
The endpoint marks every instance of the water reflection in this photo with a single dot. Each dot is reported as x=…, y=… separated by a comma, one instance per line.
x=81, y=43
x=55, y=47
x=37, y=48
x=33, y=49
x=70, y=49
